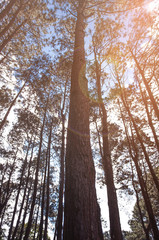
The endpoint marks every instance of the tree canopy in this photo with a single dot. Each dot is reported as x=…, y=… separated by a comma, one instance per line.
x=79, y=96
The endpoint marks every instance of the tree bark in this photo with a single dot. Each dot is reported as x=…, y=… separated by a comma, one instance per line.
x=81, y=210
x=7, y=40
x=18, y=193
x=6, y=10
x=155, y=179
x=43, y=200
x=9, y=25
x=155, y=107
x=48, y=185
x=24, y=195
x=11, y=105
x=115, y=226
x=36, y=177
x=149, y=116
x=60, y=206
x=59, y=221
x=25, y=212
x=36, y=234
x=142, y=184
x=140, y=213
x=6, y=196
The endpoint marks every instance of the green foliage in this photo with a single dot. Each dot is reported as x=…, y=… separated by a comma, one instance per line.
x=135, y=223
x=50, y=26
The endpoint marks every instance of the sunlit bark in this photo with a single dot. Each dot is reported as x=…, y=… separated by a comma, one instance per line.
x=81, y=211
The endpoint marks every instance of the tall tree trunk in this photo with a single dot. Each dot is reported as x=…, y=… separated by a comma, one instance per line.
x=147, y=201
x=140, y=213
x=137, y=195
x=81, y=210
x=7, y=40
x=25, y=212
x=6, y=10
x=59, y=222
x=155, y=107
x=48, y=185
x=43, y=200
x=4, y=56
x=155, y=179
x=11, y=21
x=37, y=216
x=18, y=193
x=7, y=195
x=36, y=177
x=24, y=195
x=142, y=183
x=61, y=187
x=115, y=226
x=10, y=107
x=148, y=115
x=3, y=200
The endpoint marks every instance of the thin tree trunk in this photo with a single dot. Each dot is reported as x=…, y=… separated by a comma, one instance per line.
x=11, y=22
x=6, y=10
x=37, y=216
x=138, y=201
x=155, y=179
x=43, y=200
x=7, y=195
x=149, y=116
x=155, y=107
x=147, y=201
x=25, y=212
x=142, y=184
x=7, y=40
x=11, y=105
x=81, y=210
x=4, y=57
x=60, y=206
x=36, y=178
x=99, y=141
x=24, y=195
x=115, y=226
x=3, y=201
x=19, y=189
x=140, y=213
x=48, y=185
x=59, y=222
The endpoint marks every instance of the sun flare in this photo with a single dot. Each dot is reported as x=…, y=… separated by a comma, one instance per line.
x=153, y=5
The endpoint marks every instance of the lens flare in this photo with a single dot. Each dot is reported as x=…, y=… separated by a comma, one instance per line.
x=152, y=6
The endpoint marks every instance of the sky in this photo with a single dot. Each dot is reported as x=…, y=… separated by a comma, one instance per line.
x=126, y=205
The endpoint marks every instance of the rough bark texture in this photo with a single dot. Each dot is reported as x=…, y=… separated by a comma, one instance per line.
x=81, y=210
